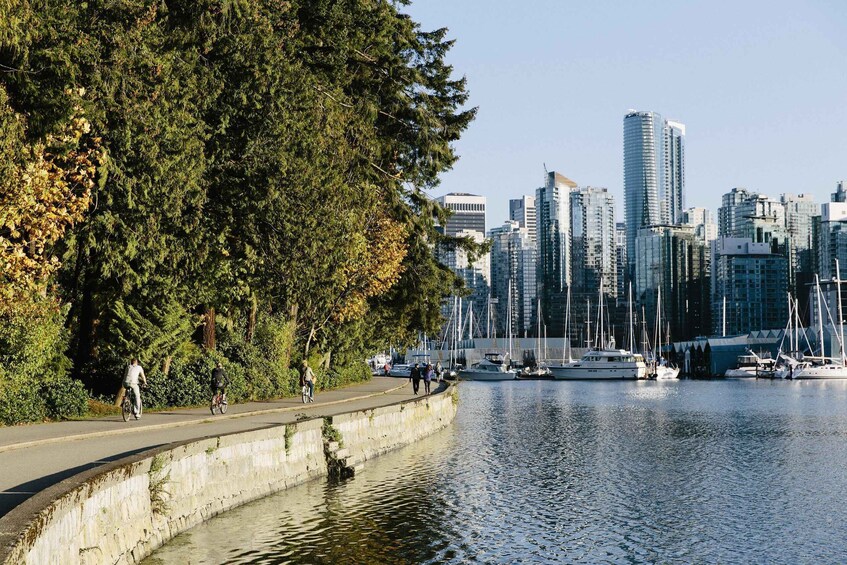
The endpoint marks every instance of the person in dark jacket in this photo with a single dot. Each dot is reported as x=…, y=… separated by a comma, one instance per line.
x=428, y=375
x=415, y=377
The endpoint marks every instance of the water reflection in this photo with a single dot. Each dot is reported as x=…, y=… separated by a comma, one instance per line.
x=555, y=472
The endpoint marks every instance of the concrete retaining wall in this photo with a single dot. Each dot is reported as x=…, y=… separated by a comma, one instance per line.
x=121, y=512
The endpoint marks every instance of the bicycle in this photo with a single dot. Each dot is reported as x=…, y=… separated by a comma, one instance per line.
x=219, y=403
x=307, y=397
x=127, y=407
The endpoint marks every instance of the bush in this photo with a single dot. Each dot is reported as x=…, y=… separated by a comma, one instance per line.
x=64, y=398
x=189, y=382
x=20, y=402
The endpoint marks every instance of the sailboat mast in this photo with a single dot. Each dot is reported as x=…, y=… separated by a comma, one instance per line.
x=601, y=337
x=820, y=314
x=567, y=333
x=631, y=322
x=840, y=319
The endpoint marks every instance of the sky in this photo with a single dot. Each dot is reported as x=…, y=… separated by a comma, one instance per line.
x=761, y=87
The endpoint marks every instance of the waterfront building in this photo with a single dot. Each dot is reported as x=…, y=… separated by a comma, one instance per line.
x=513, y=273
x=749, y=286
x=552, y=203
x=726, y=212
x=673, y=259
x=654, y=174
x=833, y=236
x=522, y=210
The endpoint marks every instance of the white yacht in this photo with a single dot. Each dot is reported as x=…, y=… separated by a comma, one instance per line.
x=602, y=364
x=750, y=365
x=666, y=372
x=828, y=367
x=492, y=368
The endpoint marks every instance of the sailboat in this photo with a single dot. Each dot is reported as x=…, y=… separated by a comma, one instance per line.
x=661, y=368
x=603, y=362
x=830, y=367
x=495, y=364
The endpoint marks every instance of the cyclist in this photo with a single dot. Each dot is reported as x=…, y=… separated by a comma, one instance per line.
x=134, y=374
x=307, y=378
x=218, y=384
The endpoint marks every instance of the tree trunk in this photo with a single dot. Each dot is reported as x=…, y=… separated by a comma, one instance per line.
x=166, y=365
x=251, y=319
x=209, y=329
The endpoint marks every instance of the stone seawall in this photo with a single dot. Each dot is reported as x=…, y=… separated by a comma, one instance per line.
x=122, y=511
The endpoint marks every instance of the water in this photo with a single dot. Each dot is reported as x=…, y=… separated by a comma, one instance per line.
x=560, y=472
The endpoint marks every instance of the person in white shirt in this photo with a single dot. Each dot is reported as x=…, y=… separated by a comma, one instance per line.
x=134, y=375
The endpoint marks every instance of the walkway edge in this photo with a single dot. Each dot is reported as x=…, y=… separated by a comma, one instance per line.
x=203, y=420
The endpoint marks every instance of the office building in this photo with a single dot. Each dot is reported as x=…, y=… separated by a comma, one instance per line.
x=468, y=212
x=593, y=241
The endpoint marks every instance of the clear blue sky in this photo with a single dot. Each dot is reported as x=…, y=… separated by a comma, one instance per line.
x=760, y=85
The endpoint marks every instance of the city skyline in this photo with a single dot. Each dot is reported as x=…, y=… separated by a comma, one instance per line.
x=759, y=114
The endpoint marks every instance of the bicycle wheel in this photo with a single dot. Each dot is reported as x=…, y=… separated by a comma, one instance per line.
x=126, y=406
x=223, y=406
x=305, y=394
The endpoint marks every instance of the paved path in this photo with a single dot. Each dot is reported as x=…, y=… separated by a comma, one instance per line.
x=36, y=456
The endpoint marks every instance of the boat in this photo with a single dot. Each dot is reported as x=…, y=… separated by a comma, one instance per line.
x=493, y=367
x=827, y=367
x=400, y=370
x=751, y=365
x=604, y=362
x=660, y=369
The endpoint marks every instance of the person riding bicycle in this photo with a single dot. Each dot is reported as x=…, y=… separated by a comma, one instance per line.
x=218, y=384
x=134, y=374
x=307, y=378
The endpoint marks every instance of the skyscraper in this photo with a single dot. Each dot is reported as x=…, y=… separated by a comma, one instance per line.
x=593, y=241
x=552, y=204
x=522, y=210
x=654, y=174
x=513, y=276
x=468, y=212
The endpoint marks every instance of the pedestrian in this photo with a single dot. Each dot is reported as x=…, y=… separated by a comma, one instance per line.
x=134, y=374
x=415, y=377
x=386, y=368
x=429, y=373
x=307, y=378
x=438, y=371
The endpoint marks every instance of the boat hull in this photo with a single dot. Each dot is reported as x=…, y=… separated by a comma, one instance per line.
x=486, y=376
x=821, y=372
x=740, y=373
x=586, y=372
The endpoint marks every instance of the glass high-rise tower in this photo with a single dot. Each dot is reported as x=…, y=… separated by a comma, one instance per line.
x=654, y=174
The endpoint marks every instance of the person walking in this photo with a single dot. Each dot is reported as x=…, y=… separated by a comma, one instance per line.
x=438, y=371
x=134, y=375
x=307, y=378
x=415, y=378
x=218, y=384
x=429, y=374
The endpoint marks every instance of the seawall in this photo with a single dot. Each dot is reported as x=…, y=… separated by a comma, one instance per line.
x=122, y=511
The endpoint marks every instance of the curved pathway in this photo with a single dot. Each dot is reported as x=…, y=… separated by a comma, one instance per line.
x=37, y=456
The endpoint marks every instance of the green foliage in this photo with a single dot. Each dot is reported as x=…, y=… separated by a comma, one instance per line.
x=33, y=340
x=257, y=153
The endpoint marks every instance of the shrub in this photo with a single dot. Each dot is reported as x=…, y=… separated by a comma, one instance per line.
x=63, y=398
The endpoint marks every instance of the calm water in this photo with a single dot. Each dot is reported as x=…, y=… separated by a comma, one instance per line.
x=559, y=472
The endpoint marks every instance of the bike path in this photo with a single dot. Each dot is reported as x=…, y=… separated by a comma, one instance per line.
x=37, y=456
